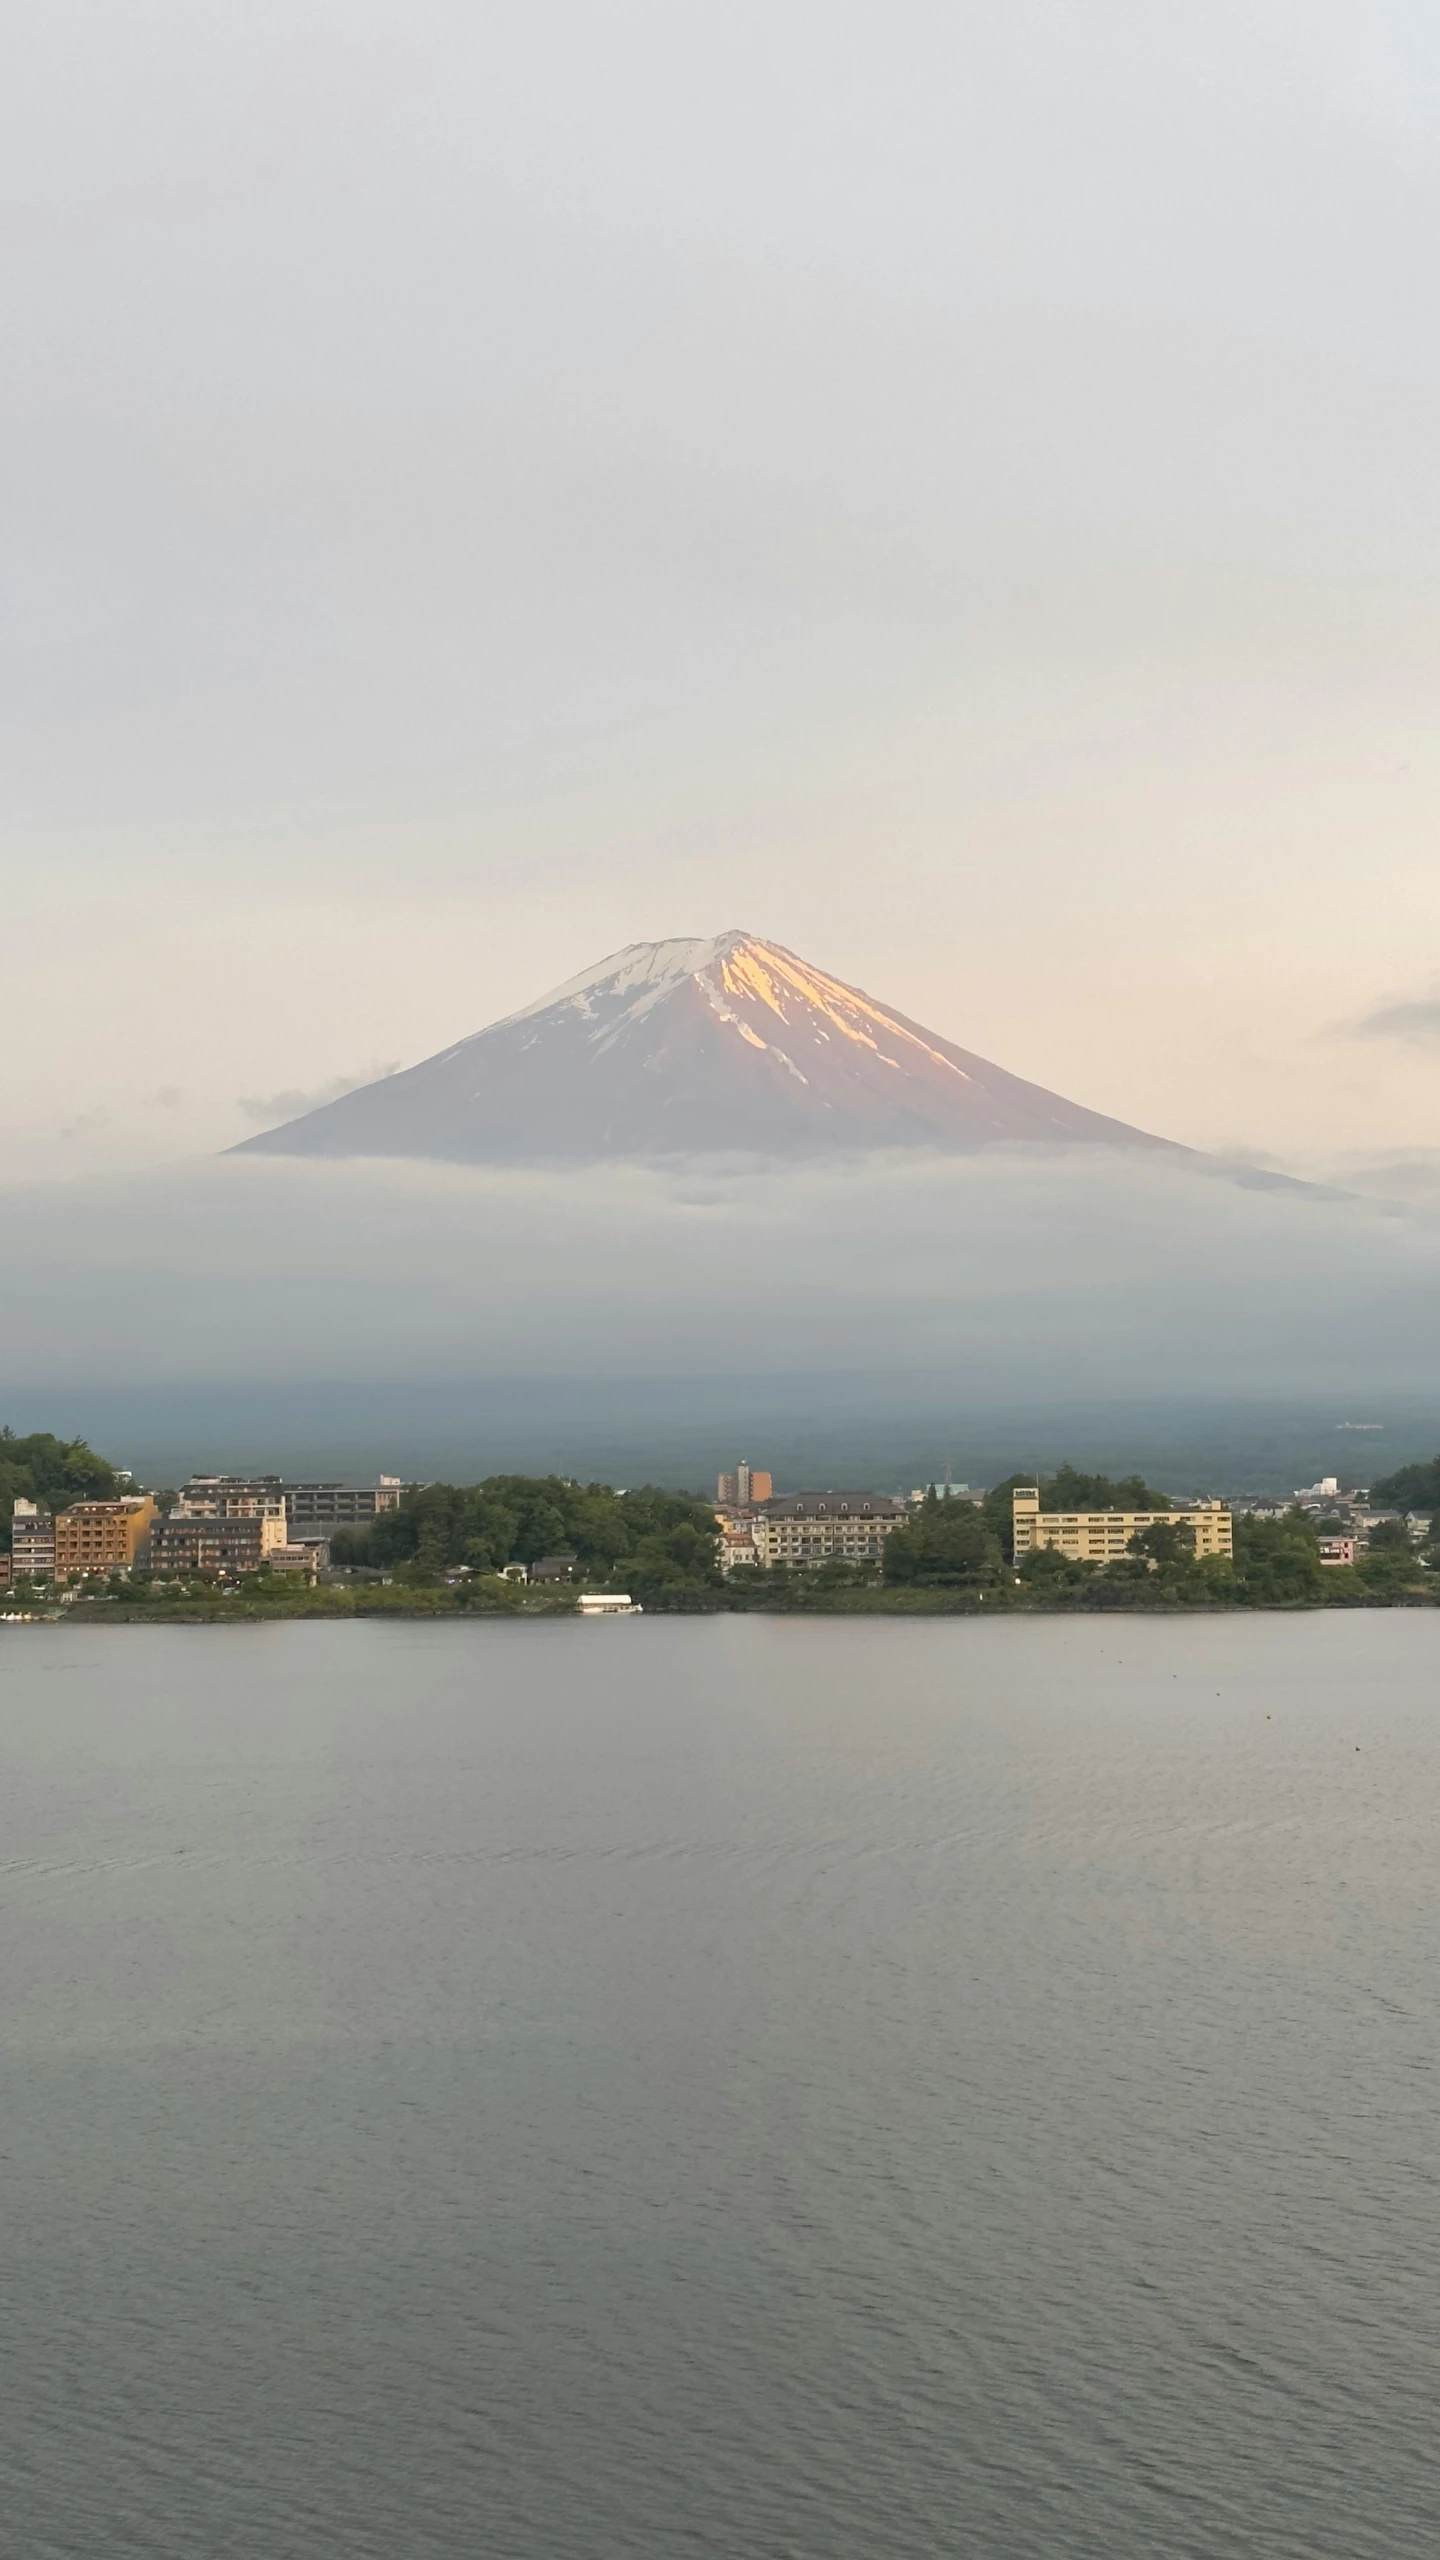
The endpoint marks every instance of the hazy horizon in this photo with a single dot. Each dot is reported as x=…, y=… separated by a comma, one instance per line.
x=625, y=1430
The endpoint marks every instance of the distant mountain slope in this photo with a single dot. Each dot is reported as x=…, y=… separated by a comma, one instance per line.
x=671, y=1048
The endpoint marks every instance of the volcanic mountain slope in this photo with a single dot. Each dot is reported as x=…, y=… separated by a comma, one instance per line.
x=683, y=1048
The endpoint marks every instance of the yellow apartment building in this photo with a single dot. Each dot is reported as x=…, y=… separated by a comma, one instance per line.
x=1102, y=1537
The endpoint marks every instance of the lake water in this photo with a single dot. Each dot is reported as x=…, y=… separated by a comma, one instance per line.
x=806, y=2090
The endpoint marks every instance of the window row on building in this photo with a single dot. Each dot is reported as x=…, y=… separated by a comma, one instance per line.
x=1101, y=1537
x=803, y=1529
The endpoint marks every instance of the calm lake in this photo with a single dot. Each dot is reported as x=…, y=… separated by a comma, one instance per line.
x=848, y=2090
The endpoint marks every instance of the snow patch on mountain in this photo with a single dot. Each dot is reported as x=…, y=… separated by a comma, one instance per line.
x=643, y=971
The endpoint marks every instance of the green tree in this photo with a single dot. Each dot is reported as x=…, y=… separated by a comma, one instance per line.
x=660, y=1542
x=1048, y=1574
x=997, y=1513
x=840, y=1573
x=489, y=1594
x=488, y=1528
x=1165, y=1542
x=1415, y=1488
x=1160, y=1567
x=432, y=1545
x=1278, y=1560
x=1389, y=1561
x=1069, y=1490
x=944, y=1546
x=52, y=1472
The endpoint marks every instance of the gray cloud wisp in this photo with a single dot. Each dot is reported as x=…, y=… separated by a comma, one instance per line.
x=1417, y=1021
x=269, y=1110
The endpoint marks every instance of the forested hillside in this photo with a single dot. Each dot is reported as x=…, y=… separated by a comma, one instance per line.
x=49, y=1471
x=643, y=1540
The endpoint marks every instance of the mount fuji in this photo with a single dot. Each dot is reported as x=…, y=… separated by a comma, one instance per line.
x=692, y=1047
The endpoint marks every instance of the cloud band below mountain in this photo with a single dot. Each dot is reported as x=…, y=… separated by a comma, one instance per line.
x=1008, y=1271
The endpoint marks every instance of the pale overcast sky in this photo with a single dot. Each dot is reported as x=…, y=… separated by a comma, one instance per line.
x=950, y=487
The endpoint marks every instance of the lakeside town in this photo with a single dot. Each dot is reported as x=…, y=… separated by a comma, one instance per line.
x=270, y=1543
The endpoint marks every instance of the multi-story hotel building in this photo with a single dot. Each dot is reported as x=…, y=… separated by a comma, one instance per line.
x=323, y=1507
x=32, y=1541
x=216, y=1542
x=748, y=1484
x=230, y=1497
x=103, y=1537
x=310, y=1509
x=809, y=1528
x=1101, y=1537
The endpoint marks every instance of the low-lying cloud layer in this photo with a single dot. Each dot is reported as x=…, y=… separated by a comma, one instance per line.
x=1076, y=1272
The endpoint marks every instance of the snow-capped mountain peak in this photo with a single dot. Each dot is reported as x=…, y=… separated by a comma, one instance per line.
x=641, y=972
x=690, y=1046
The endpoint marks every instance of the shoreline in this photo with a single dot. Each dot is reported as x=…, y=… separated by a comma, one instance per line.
x=101, y=1613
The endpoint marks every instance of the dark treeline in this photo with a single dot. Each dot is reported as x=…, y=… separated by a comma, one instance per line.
x=1414, y=1488
x=51, y=1472
x=643, y=1541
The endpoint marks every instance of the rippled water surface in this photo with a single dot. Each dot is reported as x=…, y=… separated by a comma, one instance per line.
x=835, y=2090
